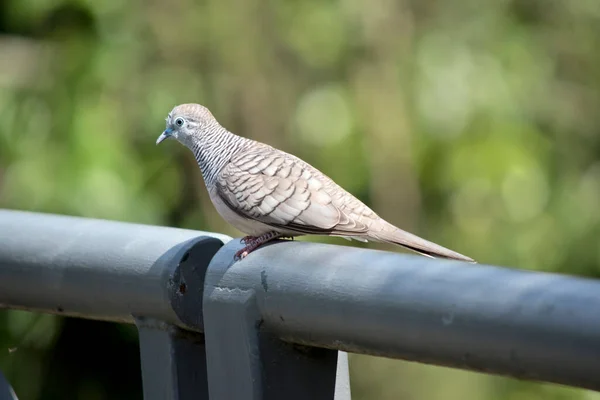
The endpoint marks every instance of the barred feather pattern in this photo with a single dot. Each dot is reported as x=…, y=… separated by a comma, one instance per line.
x=260, y=189
x=214, y=150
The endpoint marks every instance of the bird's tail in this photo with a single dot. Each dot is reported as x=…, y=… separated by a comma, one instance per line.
x=391, y=234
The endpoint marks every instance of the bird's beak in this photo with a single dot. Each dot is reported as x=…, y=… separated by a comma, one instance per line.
x=165, y=135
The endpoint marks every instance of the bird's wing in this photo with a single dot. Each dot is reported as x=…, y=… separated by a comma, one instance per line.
x=278, y=189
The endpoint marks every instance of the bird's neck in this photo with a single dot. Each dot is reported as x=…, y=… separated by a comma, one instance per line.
x=214, y=149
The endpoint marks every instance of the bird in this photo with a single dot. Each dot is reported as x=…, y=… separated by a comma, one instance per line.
x=267, y=193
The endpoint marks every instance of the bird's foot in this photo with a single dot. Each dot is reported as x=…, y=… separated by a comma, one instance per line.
x=248, y=239
x=253, y=242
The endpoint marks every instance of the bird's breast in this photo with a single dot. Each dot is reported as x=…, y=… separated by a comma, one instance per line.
x=245, y=225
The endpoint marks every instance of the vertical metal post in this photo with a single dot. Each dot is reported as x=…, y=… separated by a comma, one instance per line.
x=245, y=361
x=342, y=378
x=173, y=359
x=173, y=362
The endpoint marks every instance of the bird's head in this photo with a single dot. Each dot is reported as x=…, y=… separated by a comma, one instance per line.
x=187, y=122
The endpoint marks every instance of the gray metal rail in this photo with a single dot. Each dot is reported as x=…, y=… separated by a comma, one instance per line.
x=148, y=275
x=100, y=269
x=528, y=325
x=273, y=323
x=116, y=272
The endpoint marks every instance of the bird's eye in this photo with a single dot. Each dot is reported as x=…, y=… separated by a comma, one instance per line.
x=179, y=121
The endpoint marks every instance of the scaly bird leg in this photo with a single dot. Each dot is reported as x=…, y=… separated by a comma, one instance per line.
x=253, y=242
x=247, y=239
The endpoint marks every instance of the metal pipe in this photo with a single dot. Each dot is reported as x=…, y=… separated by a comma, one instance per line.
x=529, y=325
x=100, y=269
x=524, y=324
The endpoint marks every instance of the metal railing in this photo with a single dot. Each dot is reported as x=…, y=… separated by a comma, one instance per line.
x=278, y=323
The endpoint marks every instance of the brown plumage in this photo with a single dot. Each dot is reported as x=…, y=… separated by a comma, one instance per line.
x=267, y=193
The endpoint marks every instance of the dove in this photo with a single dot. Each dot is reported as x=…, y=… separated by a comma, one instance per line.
x=267, y=193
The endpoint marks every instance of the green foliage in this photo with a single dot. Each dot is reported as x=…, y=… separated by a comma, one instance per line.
x=474, y=125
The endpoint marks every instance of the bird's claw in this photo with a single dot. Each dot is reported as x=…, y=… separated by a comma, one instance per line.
x=247, y=239
x=251, y=243
x=241, y=254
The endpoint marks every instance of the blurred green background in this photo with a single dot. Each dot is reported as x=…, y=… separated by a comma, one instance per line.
x=474, y=124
